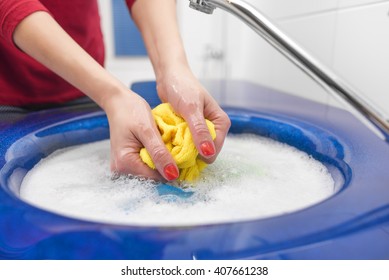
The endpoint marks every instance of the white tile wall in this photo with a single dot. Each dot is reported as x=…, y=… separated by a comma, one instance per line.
x=362, y=51
x=351, y=36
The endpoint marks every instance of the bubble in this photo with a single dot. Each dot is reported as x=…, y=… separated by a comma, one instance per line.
x=254, y=177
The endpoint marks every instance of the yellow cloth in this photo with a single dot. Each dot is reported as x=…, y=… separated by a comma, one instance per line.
x=178, y=140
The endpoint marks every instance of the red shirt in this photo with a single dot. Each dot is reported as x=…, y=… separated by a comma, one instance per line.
x=23, y=80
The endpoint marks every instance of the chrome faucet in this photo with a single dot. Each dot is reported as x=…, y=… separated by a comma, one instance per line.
x=301, y=58
x=201, y=5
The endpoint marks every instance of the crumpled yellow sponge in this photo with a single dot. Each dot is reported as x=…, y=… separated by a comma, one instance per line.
x=178, y=140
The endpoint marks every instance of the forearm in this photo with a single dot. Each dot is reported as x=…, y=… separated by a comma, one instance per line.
x=157, y=22
x=42, y=38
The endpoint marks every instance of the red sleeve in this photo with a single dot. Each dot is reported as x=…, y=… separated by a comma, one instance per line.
x=12, y=12
x=129, y=4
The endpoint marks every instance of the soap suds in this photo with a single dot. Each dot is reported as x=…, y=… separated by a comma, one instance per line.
x=253, y=177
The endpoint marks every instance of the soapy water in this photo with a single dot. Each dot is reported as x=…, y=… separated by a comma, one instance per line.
x=253, y=177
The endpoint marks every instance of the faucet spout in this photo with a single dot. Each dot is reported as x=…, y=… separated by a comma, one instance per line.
x=302, y=59
x=202, y=6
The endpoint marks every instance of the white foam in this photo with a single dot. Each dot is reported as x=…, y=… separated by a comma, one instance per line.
x=253, y=178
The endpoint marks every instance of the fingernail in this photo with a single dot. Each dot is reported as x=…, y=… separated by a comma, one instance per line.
x=171, y=172
x=207, y=148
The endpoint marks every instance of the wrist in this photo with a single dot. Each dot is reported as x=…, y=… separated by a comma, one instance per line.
x=172, y=70
x=168, y=58
x=113, y=97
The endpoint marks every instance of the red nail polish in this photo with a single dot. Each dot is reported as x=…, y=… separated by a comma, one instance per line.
x=171, y=172
x=207, y=148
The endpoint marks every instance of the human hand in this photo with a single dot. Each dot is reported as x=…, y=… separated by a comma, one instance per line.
x=132, y=127
x=192, y=102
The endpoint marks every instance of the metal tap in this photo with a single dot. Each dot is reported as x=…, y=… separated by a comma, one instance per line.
x=202, y=6
x=301, y=58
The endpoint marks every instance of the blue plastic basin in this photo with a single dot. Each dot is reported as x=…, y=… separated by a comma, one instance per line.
x=352, y=224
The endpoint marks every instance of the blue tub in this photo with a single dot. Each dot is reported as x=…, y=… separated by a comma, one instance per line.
x=352, y=224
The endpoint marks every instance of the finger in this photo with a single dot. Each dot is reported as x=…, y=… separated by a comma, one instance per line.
x=159, y=154
x=222, y=125
x=128, y=162
x=200, y=133
x=221, y=121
